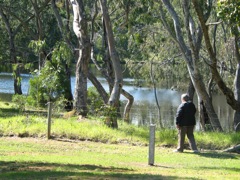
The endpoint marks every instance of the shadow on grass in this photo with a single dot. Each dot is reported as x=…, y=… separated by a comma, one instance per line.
x=8, y=112
x=217, y=155
x=12, y=112
x=34, y=170
x=235, y=169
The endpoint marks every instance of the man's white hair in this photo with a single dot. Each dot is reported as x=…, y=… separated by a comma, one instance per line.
x=185, y=97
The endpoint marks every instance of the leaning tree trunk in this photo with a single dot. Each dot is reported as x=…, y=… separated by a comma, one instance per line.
x=234, y=149
x=110, y=80
x=232, y=98
x=191, y=90
x=98, y=86
x=117, y=87
x=127, y=109
x=203, y=116
x=191, y=56
x=80, y=28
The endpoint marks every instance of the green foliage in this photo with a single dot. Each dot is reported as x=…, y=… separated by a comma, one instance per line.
x=107, y=111
x=19, y=102
x=216, y=140
x=95, y=101
x=166, y=136
x=229, y=10
x=49, y=84
x=59, y=105
x=37, y=46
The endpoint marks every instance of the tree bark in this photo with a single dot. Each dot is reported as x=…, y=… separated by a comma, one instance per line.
x=232, y=98
x=117, y=87
x=80, y=28
x=155, y=95
x=234, y=149
x=217, y=78
x=127, y=109
x=13, y=56
x=191, y=56
x=236, y=121
x=110, y=80
x=98, y=86
x=191, y=90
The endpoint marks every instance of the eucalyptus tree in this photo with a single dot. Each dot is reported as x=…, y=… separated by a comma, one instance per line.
x=112, y=72
x=190, y=48
x=17, y=17
x=81, y=29
x=3, y=52
x=118, y=82
x=228, y=10
x=119, y=21
x=12, y=31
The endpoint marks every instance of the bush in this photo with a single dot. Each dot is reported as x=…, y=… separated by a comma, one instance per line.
x=19, y=101
x=95, y=101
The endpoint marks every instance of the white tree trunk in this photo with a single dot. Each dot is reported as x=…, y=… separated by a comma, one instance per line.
x=117, y=87
x=80, y=28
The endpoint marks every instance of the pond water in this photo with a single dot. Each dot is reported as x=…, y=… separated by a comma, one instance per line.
x=144, y=110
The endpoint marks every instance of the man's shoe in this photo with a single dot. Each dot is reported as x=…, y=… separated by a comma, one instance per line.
x=196, y=151
x=177, y=151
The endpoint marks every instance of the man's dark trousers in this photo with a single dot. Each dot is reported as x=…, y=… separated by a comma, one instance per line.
x=182, y=132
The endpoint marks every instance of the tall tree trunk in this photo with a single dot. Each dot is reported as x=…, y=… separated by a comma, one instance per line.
x=191, y=56
x=117, y=87
x=127, y=109
x=80, y=28
x=155, y=95
x=191, y=90
x=203, y=115
x=110, y=80
x=13, y=56
x=106, y=59
x=232, y=98
x=236, y=121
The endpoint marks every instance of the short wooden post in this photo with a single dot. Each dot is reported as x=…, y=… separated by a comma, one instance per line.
x=151, y=145
x=49, y=120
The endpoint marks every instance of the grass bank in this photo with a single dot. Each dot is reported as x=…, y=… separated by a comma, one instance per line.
x=94, y=130
x=33, y=124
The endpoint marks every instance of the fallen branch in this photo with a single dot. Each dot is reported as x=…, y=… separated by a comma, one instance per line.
x=234, y=149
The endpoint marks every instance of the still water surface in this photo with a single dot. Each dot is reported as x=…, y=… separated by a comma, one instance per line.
x=144, y=110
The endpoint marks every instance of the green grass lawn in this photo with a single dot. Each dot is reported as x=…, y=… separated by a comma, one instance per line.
x=88, y=149
x=36, y=158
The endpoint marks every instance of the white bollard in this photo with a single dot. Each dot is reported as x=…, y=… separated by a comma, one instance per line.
x=49, y=120
x=151, y=145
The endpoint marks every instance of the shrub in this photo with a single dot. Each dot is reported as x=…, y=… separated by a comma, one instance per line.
x=19, y=102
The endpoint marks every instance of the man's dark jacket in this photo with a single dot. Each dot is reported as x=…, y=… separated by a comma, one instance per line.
x=186, y=114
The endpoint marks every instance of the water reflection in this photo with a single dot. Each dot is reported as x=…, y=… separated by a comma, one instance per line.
x=144, y=110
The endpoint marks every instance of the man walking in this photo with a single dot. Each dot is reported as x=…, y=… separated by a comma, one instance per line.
x=185, y=122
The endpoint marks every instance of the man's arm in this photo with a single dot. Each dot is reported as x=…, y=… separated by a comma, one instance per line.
x=179, y=116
